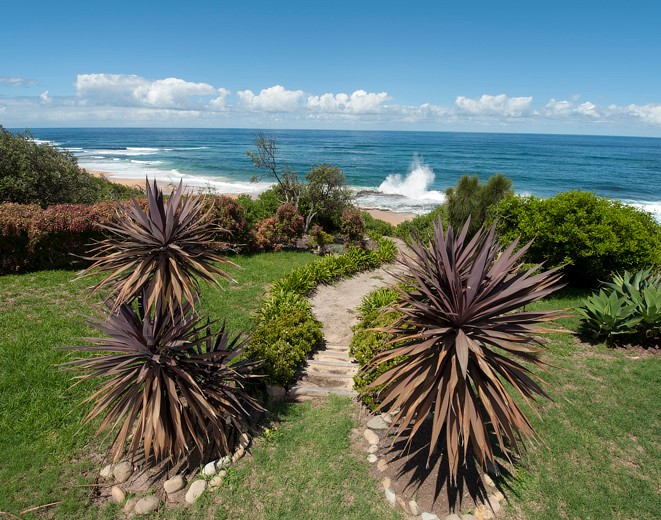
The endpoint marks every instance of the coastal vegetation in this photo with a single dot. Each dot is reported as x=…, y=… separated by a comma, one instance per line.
x=38, y=173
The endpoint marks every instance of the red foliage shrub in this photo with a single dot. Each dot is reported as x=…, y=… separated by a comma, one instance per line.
x=352, y=226
x=230, y=217
x=274, y=233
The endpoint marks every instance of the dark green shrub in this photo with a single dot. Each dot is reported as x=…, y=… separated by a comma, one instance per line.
x=39, y=173
x=324, y=197
x=470, y=198
x=284, y=342
x=628, y=309
x=592, y=236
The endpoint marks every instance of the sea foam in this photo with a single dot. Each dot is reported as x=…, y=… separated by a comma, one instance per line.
x=414, y=185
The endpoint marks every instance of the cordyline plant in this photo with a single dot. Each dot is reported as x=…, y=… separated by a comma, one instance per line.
x=167, y=382
x=460, y=330
x=158, y=253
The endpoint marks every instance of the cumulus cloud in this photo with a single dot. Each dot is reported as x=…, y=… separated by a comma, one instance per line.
x=499, y=105
x=219, y=103
x=272, y=99
x=132, y=90
x=16, y=81
x=360, y=102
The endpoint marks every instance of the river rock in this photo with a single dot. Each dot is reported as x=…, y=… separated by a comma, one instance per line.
x=244, y=440
x=373, y=448
x=381, y=465
x=238, y=454
x=209, y=469
x=123, y=471
x=414, y=508
x=488, y=480
x=377, y=423
x=174, y=484
x=371, y=458
x=223, y=462
x=430, y=516
x=118, y=495
x=402, y=504
x=106, y=471
x=146, y=505
x=386, y=483
x=371, y=437
x=215, y=482
x=387, y=418
x=195, y=491
x=130, y=505
x=391, y=497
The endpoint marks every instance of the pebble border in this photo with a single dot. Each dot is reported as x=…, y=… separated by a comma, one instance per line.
x=495, y=497
x=213, y=474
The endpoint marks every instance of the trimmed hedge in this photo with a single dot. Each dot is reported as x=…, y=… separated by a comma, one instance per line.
x=287, y=331
x=593, y=237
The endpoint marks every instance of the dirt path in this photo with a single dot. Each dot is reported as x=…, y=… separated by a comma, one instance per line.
x=331, y=370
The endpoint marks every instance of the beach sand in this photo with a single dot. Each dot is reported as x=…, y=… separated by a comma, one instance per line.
x=390, y=217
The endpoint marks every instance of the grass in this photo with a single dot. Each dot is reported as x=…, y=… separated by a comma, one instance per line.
x=42, y=447
x=601, y=455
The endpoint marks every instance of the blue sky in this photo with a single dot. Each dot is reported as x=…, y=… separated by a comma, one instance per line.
x=560, y=67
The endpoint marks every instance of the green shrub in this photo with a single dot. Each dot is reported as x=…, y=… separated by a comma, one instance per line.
x=628, y=309
x=376, y=226
x=262, y=207
x=39, y=173
x=592, y=236
x=366, y=342
x=284, y=341
x=422, y=225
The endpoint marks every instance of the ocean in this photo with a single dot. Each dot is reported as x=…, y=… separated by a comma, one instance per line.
x=397, y=171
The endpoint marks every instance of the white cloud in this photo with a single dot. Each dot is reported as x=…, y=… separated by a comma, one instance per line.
x=272, y=99
x=16, y=81
x=554, y=107
x=132, y=90
x=360, y=102
x=499, y=105
x=650, y=113
x=588, y=109
x=44, y=97
x=219, y=103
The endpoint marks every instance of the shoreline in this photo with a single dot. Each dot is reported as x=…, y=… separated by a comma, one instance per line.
x=391, y=217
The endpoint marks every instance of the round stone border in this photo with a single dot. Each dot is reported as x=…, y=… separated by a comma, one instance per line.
x=487, y=511
x=212, y=474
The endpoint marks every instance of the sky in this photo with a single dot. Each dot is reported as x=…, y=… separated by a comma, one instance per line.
x=580, y=67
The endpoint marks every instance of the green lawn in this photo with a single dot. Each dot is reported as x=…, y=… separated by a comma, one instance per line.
x=601, y=456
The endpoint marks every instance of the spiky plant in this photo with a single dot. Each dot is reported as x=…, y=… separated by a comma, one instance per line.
x=160, y=252
x=460, y=332
x=166, y=381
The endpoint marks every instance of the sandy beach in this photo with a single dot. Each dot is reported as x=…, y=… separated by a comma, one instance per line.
x=391, y=217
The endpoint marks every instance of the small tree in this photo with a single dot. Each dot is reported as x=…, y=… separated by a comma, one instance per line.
x=325, y=196
x=470, y=198
x=265, y=158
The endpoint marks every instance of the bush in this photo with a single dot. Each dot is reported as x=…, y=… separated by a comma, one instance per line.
x=366, y=342
x=33, y=173
x=230, y=216
x=284, y=341
x=375, y=226
x=352, y=226
x=33, y=238
x=594, y=237
x=628, y=309
x=274, y=233
x=262, y=207
x=422, y=225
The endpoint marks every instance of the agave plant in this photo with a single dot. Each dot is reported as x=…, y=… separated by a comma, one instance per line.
x=460, y=332
x=166, y=381
x=160, y=252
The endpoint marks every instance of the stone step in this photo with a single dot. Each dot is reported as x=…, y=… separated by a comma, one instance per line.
x=331, y=375
x=324, y=382
x=328, y=363
x=317, y=391
x=337, y=348
x=326, y=355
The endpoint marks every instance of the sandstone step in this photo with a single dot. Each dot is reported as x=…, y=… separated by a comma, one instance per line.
x=316, y=391
x=326, y=355
x=337, y=348
x=337, y=375
x=323, y=362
